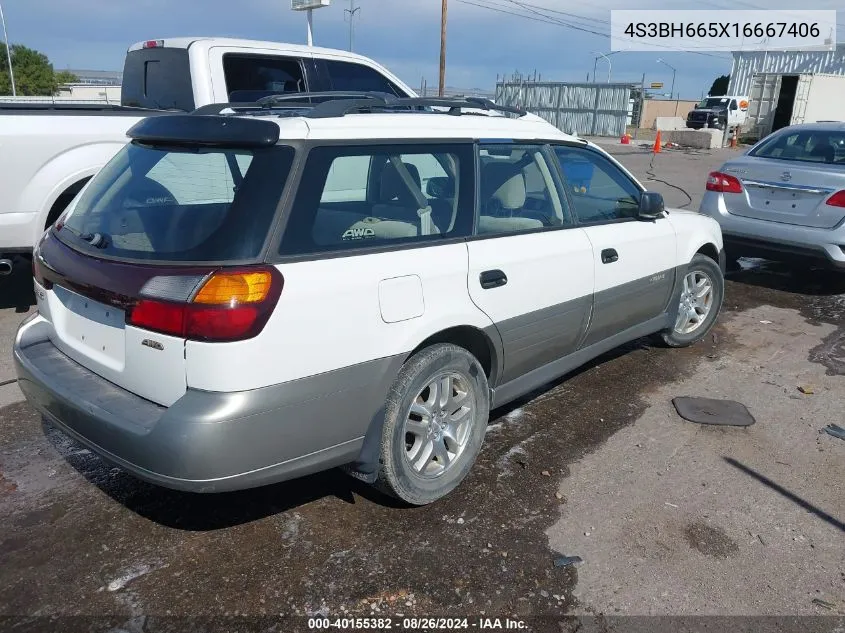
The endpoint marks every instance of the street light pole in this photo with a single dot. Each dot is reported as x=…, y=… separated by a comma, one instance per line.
x=352, y=10
x=609, y=65
x=310, y=16
x=674, y=70
x=8, y=51
x=443, y=10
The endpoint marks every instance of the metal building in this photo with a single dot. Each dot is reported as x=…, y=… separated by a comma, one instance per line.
x=577, y=108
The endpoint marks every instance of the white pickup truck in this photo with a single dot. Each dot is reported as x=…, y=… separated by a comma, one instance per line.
x=726, y=112
x=48, y=152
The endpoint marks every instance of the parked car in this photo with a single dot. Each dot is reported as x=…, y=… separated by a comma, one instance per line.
x=51, y=150
x=785, y=198
x=721, y=113
x=345, y=284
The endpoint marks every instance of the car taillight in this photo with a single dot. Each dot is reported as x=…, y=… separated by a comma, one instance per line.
x=154, y=44
x=228, y=305
x=723, y=183
x=837, y=199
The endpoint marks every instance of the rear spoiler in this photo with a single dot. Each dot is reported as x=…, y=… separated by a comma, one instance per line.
x=217, y=131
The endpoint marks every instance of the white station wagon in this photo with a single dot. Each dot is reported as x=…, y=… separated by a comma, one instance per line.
x=245, y=295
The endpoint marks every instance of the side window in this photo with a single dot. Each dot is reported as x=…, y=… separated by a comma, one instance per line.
x=355, y=77
x=518, y=191
x=599, y=190
x=250, y=77
x=357, y=197
x=158, y=78
x=733, y=105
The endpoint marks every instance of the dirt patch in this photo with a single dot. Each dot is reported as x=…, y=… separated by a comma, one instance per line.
x=709, y=540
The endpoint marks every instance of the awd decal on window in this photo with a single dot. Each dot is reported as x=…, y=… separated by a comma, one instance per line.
x=358, y=233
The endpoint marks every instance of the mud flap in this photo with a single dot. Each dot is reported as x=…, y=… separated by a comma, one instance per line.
x=365, y=468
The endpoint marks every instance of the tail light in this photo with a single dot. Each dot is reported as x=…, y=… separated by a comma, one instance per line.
x=38, y=270
x=723, y=183
x=837, y=199
x=153, y=44
x=227, y=305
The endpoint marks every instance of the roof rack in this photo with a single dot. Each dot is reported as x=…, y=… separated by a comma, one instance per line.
x=338, y=104
x=290, y=100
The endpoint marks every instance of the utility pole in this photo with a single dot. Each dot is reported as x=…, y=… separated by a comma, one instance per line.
x=443, y=12
x=352, y=10
x=9, y=50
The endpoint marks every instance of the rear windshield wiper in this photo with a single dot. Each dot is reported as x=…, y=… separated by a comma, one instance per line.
x=97, y=240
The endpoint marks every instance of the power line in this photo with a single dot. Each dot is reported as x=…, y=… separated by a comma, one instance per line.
x=534, y=8
x=544, y=11
x=556, y=22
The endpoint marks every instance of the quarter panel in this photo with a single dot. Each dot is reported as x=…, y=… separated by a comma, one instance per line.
x=329, y=316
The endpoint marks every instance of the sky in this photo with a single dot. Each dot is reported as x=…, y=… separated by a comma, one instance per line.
x=499, y=37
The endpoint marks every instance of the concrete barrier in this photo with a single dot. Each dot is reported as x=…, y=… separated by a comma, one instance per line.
x=668, y=123
x=699, y=139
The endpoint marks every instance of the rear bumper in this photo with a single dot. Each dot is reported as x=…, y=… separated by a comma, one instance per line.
x=750, y=237
x=205, y=441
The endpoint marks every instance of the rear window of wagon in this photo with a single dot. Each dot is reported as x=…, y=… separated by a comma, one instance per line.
x=197, y=205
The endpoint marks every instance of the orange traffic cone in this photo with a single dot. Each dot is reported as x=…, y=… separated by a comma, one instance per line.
x=656, y=148
x=734, y=138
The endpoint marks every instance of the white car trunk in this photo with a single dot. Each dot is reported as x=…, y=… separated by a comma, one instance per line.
x=786, y=191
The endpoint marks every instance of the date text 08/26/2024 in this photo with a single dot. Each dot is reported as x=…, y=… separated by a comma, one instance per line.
x=415, y=624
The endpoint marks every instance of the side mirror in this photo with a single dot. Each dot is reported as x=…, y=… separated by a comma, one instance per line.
x=651, y=206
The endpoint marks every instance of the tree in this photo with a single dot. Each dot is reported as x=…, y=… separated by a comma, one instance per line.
x=64, y=77
x=720, y=86
x=34, y=74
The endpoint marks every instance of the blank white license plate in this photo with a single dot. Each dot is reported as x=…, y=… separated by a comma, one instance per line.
x=92, y=325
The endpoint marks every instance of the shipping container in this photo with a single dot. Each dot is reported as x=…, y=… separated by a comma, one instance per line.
x=778, y=100
x=747, y=64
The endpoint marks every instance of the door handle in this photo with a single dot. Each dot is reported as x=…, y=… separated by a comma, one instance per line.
x=492, y=279
x=609, y=255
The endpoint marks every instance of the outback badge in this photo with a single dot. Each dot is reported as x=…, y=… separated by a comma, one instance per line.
x=154, y=344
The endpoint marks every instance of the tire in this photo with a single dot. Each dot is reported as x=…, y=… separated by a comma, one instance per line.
x=433, y=477
x=701, y=270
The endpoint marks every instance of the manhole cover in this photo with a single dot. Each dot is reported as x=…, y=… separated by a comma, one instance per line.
x=709, y=411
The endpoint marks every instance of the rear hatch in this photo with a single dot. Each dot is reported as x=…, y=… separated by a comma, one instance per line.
x=793, y=183
x=163, y=246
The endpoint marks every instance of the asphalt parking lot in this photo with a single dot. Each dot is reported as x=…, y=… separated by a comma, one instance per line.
x=670, y=518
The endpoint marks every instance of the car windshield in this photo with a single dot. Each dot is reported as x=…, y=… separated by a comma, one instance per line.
x=807, y=145
x=714, y=103
x=179, y=204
